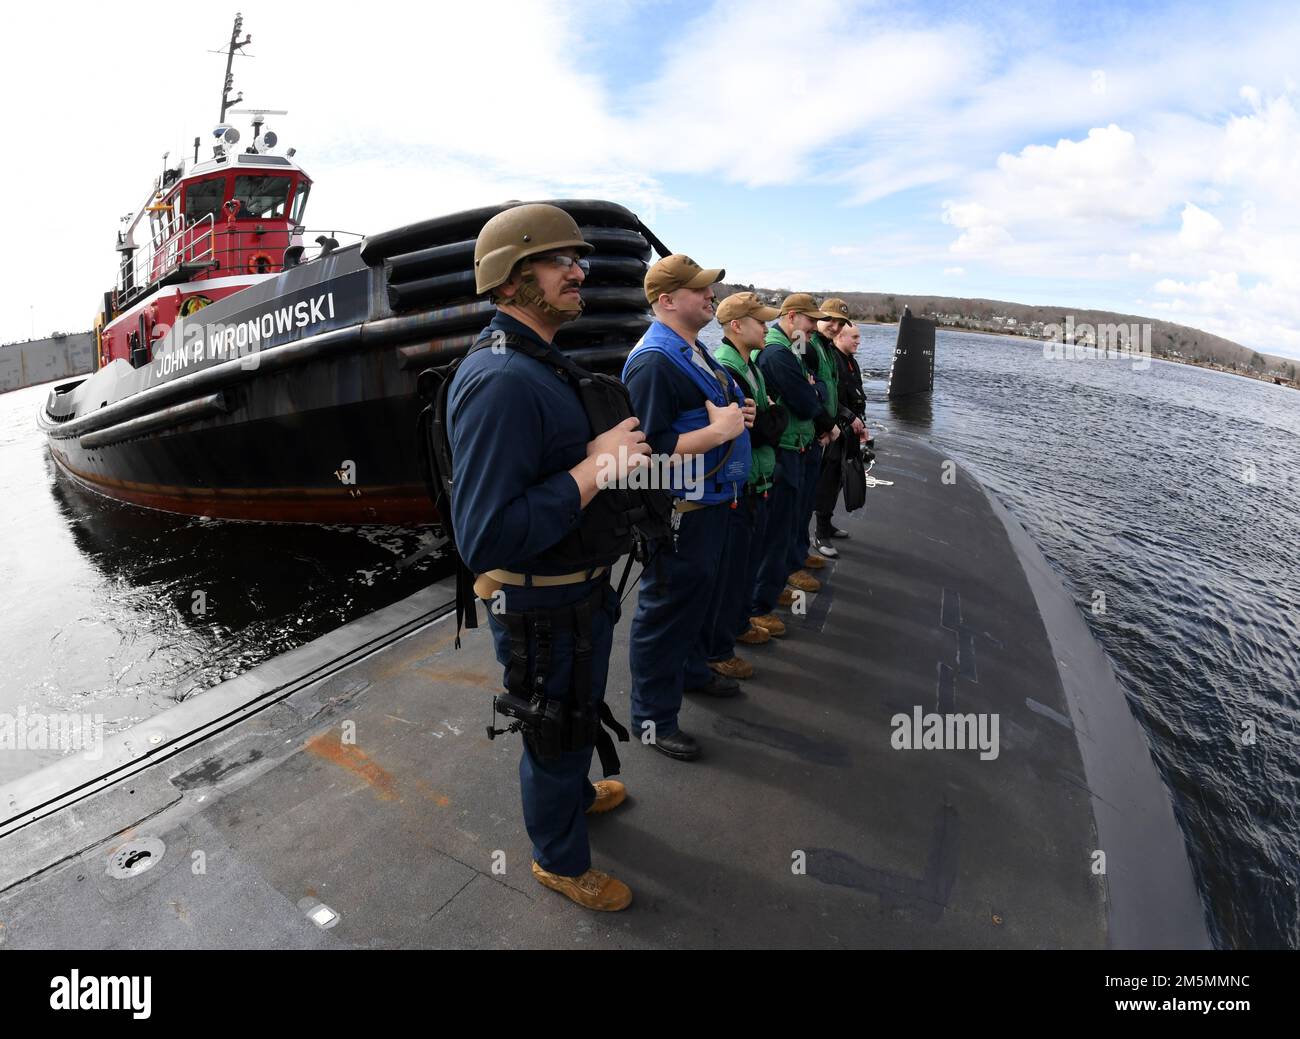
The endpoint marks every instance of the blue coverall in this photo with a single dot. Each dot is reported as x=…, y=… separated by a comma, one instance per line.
x=787, y=382
x=516, y=429
x=680, y=589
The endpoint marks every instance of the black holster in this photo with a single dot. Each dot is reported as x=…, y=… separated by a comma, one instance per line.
x=550, y=725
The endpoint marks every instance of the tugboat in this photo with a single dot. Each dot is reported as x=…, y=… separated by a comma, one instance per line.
x=246, y=370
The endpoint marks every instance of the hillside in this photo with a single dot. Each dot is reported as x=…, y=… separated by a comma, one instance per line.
x=1168, y=340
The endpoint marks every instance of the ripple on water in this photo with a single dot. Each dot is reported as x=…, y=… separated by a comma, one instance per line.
x=1175, y=491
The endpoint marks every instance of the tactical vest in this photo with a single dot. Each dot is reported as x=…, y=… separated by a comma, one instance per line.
x=611, y=520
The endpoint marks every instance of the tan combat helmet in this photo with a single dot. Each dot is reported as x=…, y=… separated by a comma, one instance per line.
x=518, y=233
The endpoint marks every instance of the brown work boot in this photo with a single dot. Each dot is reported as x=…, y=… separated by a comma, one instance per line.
x=733, y=668
x=785, y=598
x=755, y=636
x=770, y=623
x=804, y=581
x=610, y=793
x=814, y=562
x=593, y=890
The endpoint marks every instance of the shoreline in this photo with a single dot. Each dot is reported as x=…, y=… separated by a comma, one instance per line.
x=1266, y=380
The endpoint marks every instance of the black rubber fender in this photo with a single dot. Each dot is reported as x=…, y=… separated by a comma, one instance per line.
x=457, y=227
x=446, y=288
x=610, y=335
x=459, y=256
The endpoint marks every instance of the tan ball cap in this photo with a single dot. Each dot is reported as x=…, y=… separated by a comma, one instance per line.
x=518, y=233
x=836, y=310
x=803, y=303
x=745, y=304
x=678, y=272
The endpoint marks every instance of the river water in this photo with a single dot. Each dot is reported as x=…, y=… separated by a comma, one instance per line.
x=1172, y=490
x=115, y=613
x=1175, y=492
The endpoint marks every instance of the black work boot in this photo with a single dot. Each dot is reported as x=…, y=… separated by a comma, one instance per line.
x=677, y=745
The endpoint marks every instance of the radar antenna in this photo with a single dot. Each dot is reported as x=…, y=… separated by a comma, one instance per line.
x=235, y=45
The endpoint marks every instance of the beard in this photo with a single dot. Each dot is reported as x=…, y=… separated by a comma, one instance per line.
x=530, y=295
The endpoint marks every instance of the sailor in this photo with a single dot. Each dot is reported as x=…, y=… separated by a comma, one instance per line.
x=790, y=384
x=743, y=317
x=526, y=470
x=693, y=411
x=817, y=359
x=844, y=337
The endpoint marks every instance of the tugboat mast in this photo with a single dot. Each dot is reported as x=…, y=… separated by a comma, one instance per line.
x=235, y=45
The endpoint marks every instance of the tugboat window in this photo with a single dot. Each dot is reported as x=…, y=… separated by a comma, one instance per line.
x=204, y=199
x=300, y=201
x=262, y=197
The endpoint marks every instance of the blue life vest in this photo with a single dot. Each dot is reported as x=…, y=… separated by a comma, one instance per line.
x=729, y=463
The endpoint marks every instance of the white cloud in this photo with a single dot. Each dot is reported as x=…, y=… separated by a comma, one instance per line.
x=1153, y=200
x=1261, y=151
x=1102, y=177
x=1265, y=314
x=1200, y=230
x=981, y=228
x=756, y=110
x=1217, y=287
x=955, y=272
x=404, y=112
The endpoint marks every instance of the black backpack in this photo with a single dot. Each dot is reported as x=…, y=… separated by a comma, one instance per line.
x=638, y=517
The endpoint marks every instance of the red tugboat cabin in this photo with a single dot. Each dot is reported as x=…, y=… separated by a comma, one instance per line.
x=226, y=223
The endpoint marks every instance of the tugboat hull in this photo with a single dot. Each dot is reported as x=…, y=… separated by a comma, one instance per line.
x=295, y=400
x=332, y=442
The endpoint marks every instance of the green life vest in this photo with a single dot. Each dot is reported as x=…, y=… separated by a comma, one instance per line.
x=798, y=432
x=763, y=459
x=827, y=372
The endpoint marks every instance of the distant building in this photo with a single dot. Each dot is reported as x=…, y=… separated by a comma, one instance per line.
x=44, y=360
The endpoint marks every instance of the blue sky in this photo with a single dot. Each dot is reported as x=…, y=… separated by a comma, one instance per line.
x=1138, y=157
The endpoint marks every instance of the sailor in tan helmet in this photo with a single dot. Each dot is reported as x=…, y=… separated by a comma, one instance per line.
x=526, y=472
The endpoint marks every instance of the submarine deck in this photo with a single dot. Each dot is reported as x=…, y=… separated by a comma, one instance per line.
x=266, y=829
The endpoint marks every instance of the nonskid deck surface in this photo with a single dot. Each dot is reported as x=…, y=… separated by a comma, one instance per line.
x=413, y=834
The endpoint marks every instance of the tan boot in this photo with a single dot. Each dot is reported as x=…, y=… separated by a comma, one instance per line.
x=804, y=581
x=785, y=598
x=770, y=623
x=755, y=636
x=610, y=793
x=592, y=890
x=814, y=563
x=733, y=668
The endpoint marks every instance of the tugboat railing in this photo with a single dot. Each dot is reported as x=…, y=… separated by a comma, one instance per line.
x=191, y=244
x=225, y=247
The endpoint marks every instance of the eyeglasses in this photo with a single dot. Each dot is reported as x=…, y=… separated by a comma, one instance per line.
x=564, y=262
